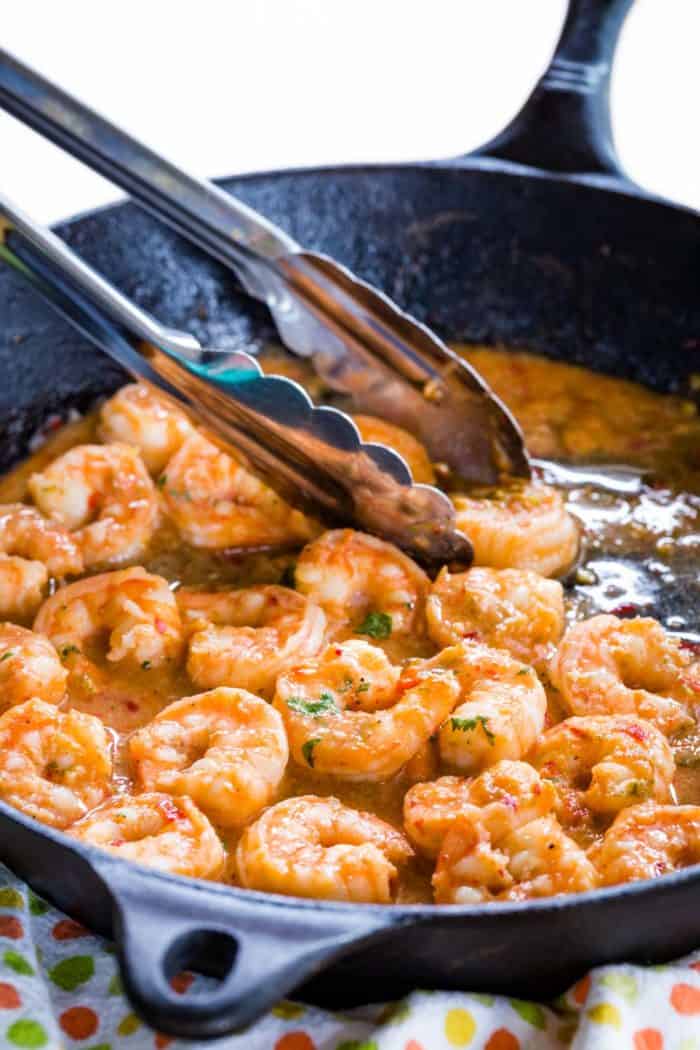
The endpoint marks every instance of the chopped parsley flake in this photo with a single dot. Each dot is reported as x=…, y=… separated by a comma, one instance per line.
x=363, y=687
x=376, y=625
x=307, y=750
x=66, y=650
x=146, y=665
x=7, y=655
x=464, y=725
x=162, y=481
x=325, y=705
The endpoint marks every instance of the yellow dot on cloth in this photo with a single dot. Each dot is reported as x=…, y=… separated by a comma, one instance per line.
x=460, y=1027
x=605, y=1013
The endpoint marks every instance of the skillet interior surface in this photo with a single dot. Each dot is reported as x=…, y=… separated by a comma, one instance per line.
x=576, y=272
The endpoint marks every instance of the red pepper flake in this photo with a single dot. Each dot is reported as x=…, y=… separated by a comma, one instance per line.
x=470, y=635
x=118, y=842
x=94, y=501
x=131, y=705
x=636, y=732
x=169, y=809
x=160, y=625
x=626, y=609
x=692, y=647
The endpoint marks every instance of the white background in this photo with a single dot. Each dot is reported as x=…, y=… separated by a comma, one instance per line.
x=222, y=86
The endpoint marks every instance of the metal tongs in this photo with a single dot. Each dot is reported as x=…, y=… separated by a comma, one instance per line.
x=359, y=342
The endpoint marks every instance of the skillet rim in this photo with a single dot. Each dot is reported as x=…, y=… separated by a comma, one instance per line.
x=619, y=185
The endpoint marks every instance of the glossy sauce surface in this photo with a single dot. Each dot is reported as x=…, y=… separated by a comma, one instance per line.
x=641, y=550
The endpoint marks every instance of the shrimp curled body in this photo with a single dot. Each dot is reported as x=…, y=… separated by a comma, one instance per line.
x=602, y=764
x=501, y=711
x=512, y=609
x=216, y=503
x=31, y=550
x=535, y=860
x=161, y=832
x=29, y=667
x=522, y=526
x=646, y=841
x=139, y=416
x=104, y=496
x=364, y=585
x=507, y=795
x=317, y=847
x=610, y=666
x=54, y=765
x=135, y=608
x=226, y=749
x=352, y=714
x=246, y=638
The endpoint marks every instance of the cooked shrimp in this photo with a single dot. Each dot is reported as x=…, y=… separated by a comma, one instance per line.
x=522, y=526
x=226, y=749
x=609, y=666
x=29, y=667
x=507, y=795
x=104, y=496
x=646, y=841
x=138, y=415
x=364, y=585
x=136, y=609
x=166, y=833
x=512, y=609
x=54, y=765
x=536, y=859
x=352, y=714
x=378, y=432
x=215, y=502
x=317, y=847
x=602, y=764
x=246, y=638
x=501, y=711
x=31, y=550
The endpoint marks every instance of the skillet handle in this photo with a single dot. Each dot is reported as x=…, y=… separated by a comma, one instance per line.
x=565, y=124
x=259, y=947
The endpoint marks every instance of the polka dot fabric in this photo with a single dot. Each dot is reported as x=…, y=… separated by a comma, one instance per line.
x=60, y=990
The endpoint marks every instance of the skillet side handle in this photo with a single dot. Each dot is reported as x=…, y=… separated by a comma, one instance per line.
x=565, y=125
x=259, y=948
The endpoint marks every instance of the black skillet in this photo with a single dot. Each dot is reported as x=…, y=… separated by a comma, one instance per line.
x=538, y=241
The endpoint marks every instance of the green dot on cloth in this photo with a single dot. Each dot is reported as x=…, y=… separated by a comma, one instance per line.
x=18, y=963
x=530, y=1012
x=36, y=905
x=72, y=972
x=27, y=1034
x=10, y=897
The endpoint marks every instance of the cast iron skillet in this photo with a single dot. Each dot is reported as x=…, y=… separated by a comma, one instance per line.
x=538, y=240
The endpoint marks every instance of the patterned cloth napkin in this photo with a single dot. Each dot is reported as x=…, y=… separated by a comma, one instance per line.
x=60, y=988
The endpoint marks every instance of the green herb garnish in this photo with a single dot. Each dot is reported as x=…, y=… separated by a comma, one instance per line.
x=162, y=481
x=464, y=725
x=325, y=705
x=66, y=650
x=7, y=655
x=307, y=750
x=376, y=625
x=146, y=665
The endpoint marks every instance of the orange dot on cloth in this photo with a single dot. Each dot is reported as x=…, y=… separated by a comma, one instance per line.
x=695, y=965
x=181, y=982
x=648, y=1039
x=9, y=996
x=79, y=1022
x=161, y=1041
x=295, y=1041
x=68, y=930
x=579, y=993
x=502, y=1039
x=11, y=927
x=685, y=998
x=412, y=1044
